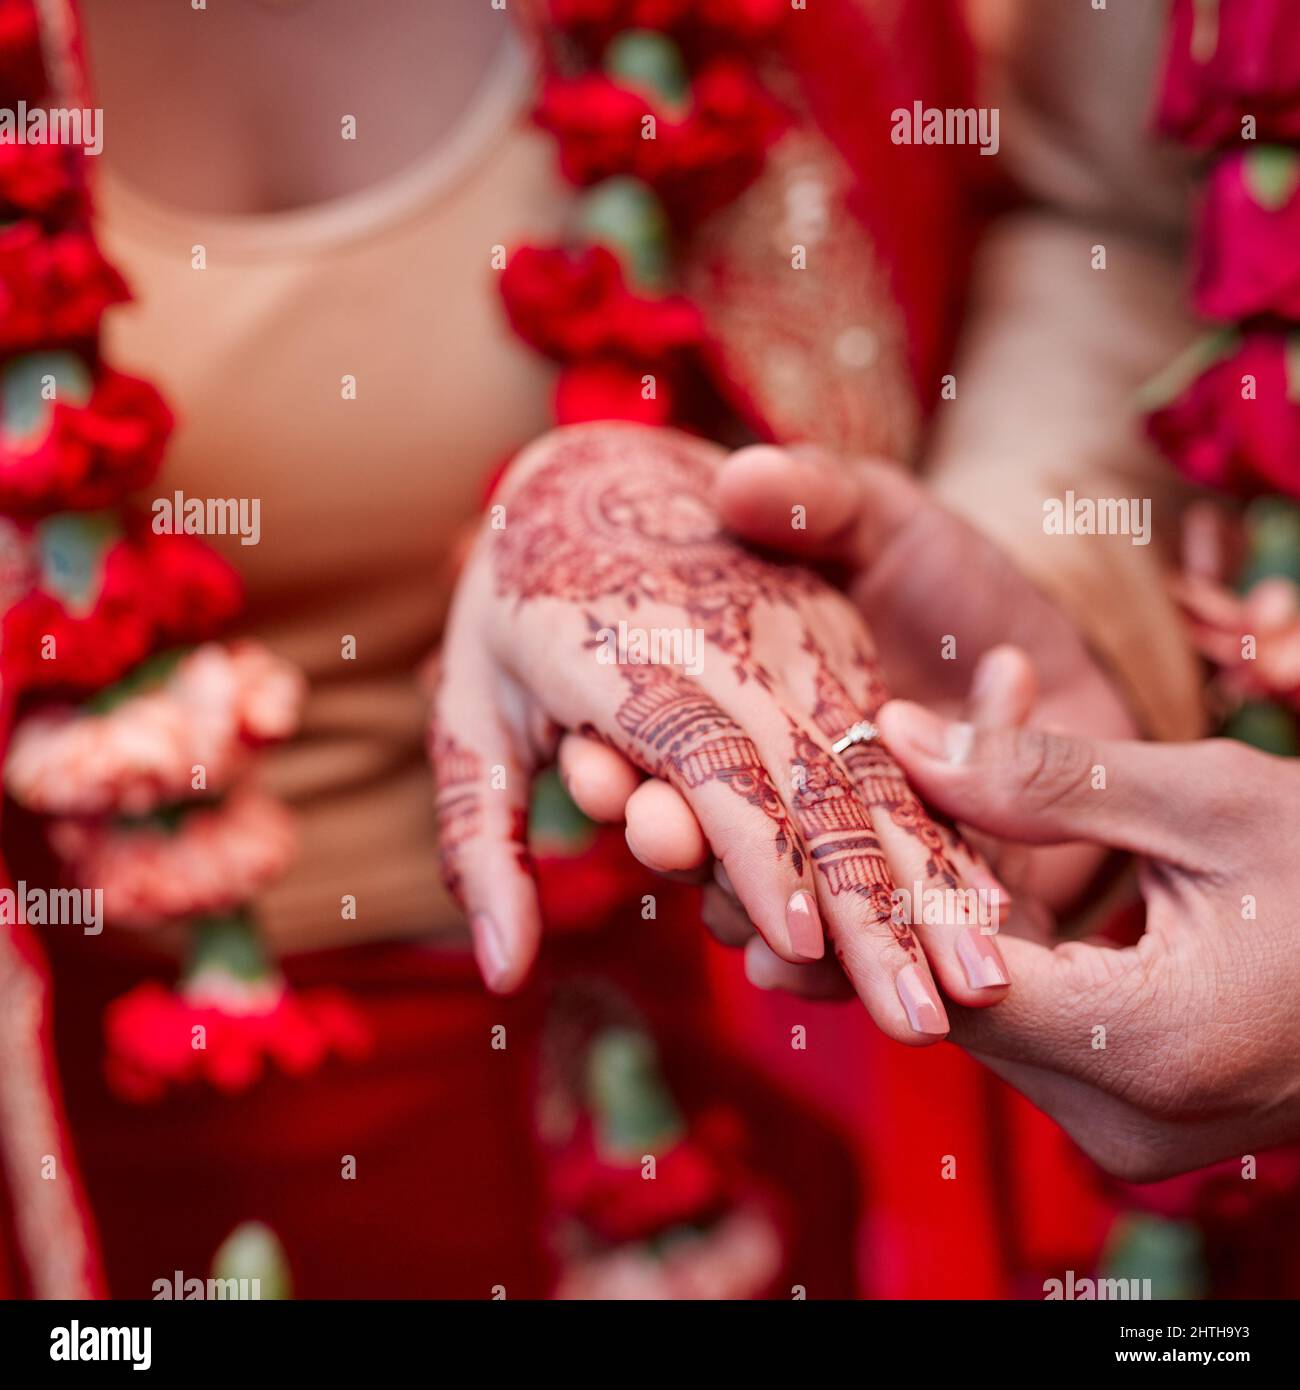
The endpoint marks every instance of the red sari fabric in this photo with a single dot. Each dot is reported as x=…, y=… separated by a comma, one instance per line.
x=449, y=1195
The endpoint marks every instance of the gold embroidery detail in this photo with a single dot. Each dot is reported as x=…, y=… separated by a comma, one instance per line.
x=818, y=353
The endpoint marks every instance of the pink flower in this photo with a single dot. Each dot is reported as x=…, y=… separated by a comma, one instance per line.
x=151, y=1034
x=140, y=753
x=1220, y=622
x=1237, y=425
x=1228, y=60
x=1248, y=247
x=211, y=860
x=738, y=1257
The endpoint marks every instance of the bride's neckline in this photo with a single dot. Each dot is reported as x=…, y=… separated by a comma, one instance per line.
x=351, y=215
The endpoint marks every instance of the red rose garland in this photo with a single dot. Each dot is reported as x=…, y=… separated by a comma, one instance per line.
x=136, y=751
x=1232, y=67
x=609, y=1202
x=1229, y=413
x=1228, y=417
x=659, y=120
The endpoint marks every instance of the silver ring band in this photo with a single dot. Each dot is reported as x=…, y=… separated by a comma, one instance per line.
x=864, y=731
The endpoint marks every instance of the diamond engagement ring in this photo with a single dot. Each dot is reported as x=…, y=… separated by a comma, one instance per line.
x=864, y=731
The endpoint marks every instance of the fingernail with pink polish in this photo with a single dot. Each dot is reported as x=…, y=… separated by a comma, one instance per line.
x=804, y=925
x=490, y=951
x=981, y=959
x=924, y=1008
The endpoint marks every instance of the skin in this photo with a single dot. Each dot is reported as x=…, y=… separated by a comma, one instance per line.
x=1201, y=1032
x=1001, y=696
x=236, y=108
x=614, y=524
x=869, y=521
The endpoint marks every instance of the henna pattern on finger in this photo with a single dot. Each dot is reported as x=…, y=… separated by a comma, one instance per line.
x=683, y=737
x=878, y=778
x=606, y=516
x=458, y=796
x=842, y=842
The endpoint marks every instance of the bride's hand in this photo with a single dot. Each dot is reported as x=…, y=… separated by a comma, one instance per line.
x=602, y=597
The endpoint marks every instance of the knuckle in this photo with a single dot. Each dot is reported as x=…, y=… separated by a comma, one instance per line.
x=1049, y=770
x=1230, y=776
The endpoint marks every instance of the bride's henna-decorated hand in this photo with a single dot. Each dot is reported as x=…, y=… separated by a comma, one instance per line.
x=601, y=554
x=939, y=598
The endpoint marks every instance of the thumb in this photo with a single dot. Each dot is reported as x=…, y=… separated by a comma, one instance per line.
x=805, y=501
x=1043, y=789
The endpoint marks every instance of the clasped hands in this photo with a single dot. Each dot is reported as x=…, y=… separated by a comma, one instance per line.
x=609, y=541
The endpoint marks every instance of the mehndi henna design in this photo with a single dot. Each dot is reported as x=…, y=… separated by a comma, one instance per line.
x=685, y=738
x=589, y=531
x=877, y=777
x=589, y=526
x=458, y=781
x=841, y=840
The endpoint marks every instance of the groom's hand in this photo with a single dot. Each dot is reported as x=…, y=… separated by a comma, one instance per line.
x=1184, y=1048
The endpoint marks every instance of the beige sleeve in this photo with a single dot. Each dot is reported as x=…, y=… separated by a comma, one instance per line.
x=1053, y=354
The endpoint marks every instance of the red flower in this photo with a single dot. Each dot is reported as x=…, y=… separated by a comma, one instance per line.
x=38, y=180
x=693, y=23
x=151, y=1039
x=697, y=1177
x=1237, y=426
x=609, y=389
x=193, y=592
x=604, y=18
x=1248, y=249
x=53, y=287
x=574, y=305
x=22, y=72
x=87, y=455
x=1227, y=61
x=598, y=125
x=128, y=595
x=561, y=302
x=712, y=154
x=744, y=19
x=50, y=640
x=699, y=159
